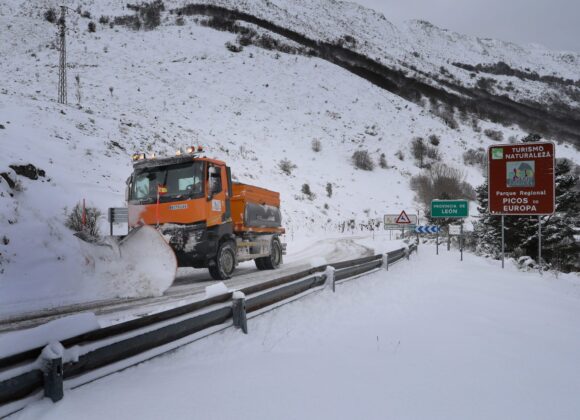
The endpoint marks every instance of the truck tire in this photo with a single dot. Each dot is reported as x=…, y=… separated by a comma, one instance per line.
x=222, y=267
x=272, y=261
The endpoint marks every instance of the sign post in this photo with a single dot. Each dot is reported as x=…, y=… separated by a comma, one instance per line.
x=400, y=221
x=455, y=209
x=522, y=183
x=502, y=242
x=461, y=241
x=540, y=242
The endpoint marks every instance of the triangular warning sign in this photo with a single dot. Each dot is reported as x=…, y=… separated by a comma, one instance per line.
x=403, y=219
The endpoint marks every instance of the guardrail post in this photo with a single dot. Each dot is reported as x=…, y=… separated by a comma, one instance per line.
x=386, y=261
x=52, y=371
x=239, y=311
x=330, y=280
x=53, y=388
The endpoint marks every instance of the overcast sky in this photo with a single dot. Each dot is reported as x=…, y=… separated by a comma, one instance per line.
x=552, y=23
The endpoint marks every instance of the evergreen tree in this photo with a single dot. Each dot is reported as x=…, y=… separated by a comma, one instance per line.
x=559, y=231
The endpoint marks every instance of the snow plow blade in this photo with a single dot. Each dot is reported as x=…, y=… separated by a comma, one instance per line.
x=142, y=264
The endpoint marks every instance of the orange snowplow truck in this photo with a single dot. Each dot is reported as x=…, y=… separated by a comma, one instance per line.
x=209, y=221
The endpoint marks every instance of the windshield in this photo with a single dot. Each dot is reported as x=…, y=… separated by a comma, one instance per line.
x=175, y=182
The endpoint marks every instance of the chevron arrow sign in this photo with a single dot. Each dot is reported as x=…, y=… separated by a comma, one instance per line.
x=426, y=229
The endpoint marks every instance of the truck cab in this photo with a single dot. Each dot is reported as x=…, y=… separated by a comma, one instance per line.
x=208, y=221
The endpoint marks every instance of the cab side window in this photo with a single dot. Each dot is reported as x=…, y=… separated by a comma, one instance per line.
x=215, y=179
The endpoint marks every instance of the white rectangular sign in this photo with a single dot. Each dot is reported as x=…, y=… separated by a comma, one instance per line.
x=396, y=219
x=454, y=229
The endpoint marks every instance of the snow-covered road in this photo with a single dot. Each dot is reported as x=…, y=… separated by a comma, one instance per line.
x=436, y=339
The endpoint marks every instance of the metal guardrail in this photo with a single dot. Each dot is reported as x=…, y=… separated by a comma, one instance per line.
x=117, y=215
x=143, y=334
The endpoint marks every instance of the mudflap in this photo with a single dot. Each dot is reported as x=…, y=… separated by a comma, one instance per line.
x=142, y=264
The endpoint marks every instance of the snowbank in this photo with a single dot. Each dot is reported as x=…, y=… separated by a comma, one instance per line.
x=141, y=265
x=216, y=290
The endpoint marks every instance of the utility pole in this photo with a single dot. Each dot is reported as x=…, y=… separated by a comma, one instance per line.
x=62, y=88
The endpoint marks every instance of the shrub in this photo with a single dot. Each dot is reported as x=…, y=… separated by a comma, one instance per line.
x=50, y=15
x=220, y=23
x=346, y=40
x=151, y=13
x=372, y=130
x=495, y=135
x=434, y=139
x=531, y=138
x=148, y=16
x=233, y=47
x=86, y=14
x=74, y=220
x=179, y=21
x=362, y=160
x=286, y=166
x=307, y=192
x=475, y=157
x=433, y=154
x=400, y=155
x=130, y=21
x=316, y=145
x=328, y=189
x=103, y=20
x=92, y=27
x=383, y=161
x=447, y=115
x=485, y=83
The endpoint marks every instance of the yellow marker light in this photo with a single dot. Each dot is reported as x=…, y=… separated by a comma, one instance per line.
x=190, y=149
x=178, y=153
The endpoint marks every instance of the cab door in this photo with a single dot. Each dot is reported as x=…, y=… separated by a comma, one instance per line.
x=217, y=194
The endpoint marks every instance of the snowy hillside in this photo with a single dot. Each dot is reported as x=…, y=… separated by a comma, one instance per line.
x=462, y=65
x=178, y=85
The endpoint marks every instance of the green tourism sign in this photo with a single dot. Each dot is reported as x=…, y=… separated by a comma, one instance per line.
x=449, y=208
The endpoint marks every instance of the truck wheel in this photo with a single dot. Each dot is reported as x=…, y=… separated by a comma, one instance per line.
x=222, y=267
x=274, y=260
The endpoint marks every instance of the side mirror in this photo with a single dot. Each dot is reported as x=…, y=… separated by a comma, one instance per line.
x=214, y=181
x=213, y=187
x=127, y=188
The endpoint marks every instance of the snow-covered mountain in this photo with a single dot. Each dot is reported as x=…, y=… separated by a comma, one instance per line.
x=182, y=83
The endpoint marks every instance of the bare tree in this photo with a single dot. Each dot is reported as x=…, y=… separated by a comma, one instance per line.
x=441, y=182
x=419, y=150
x=316, y=145
x=362, y=160
x=78, y=88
